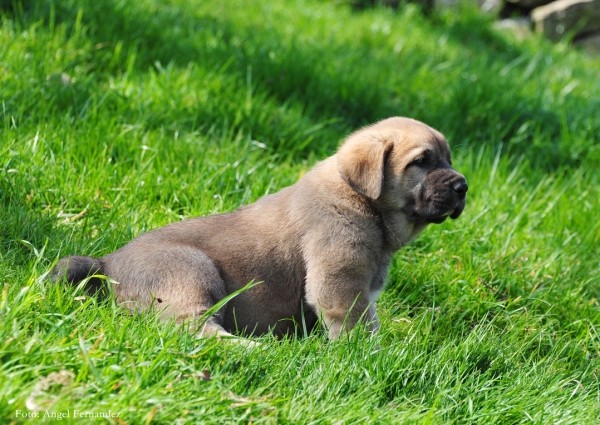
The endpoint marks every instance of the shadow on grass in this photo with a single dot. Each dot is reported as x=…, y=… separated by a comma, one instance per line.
x=352, y=84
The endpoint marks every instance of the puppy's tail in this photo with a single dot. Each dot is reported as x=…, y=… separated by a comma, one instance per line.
x=76, y=268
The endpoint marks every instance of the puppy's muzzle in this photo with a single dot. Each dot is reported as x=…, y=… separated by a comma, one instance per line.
x=442, y=195
x=460, y=188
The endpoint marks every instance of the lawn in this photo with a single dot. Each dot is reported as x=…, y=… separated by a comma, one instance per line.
x=119, y=117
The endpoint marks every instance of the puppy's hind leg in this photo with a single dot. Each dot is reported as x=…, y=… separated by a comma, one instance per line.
x=179, y=280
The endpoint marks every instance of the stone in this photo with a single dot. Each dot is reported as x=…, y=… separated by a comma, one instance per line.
x=590, y=44
x=563, y=16
x=490, y=6
x=520, y=26
x=529, y=4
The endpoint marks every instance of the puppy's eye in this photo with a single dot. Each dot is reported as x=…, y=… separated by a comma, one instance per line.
x=419, y=162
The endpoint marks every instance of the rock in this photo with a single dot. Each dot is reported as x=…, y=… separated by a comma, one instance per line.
x=560, y=17
x=490, y=6
x=529, y=4
x=363, y=4
x=520, y=26
x=590, y=44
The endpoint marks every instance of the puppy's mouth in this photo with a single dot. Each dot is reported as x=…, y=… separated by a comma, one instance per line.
x=442, y=194
x=435, y=217
x=437, y=220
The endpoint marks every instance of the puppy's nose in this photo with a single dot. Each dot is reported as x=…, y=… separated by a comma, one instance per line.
x=461, y=187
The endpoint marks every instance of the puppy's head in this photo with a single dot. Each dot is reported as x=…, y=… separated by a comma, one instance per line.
x=404, y=166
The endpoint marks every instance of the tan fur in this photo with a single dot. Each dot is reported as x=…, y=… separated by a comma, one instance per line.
x=321, y=247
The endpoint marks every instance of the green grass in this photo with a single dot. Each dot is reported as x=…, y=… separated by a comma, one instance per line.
x=119, y=117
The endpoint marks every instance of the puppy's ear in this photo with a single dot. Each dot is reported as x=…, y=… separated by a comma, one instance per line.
x=361, y=162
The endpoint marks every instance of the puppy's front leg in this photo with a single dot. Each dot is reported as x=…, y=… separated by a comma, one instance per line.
x=341, y=298
x=372, y=317
x=342, y=315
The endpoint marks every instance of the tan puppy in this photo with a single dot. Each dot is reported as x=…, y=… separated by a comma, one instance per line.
x=321, y=247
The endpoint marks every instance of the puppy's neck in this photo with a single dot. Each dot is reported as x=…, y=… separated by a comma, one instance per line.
x=396, y=229
x=400, y=231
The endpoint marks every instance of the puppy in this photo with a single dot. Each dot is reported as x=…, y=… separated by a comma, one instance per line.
x=321, y=247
